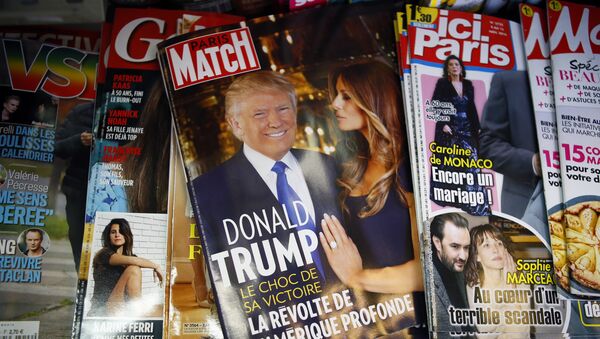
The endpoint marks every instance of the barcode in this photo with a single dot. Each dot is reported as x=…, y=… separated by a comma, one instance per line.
x=26, y=336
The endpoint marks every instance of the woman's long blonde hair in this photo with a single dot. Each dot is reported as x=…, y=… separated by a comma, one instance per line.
x=374, y=88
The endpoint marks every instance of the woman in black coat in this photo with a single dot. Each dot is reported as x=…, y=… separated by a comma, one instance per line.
x=457, y=124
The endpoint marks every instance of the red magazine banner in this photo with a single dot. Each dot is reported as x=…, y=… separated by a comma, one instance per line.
x=403, y=53
x=137, y=32
x=535, y=33
x=575, y=28
x=478, y=43
x=211, y=57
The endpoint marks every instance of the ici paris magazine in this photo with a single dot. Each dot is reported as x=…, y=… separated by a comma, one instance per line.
x=485, y=234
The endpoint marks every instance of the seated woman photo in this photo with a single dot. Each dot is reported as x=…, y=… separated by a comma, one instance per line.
x=117, y=271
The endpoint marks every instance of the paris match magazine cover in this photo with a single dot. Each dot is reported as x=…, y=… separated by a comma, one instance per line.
x=48, y=94
x=123, y=279
x=485, y=238
x=575, y=55
x=292, y=133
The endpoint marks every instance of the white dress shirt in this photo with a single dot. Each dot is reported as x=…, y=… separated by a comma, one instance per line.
x=263, y=165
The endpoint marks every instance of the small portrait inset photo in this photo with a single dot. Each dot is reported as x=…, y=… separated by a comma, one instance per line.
x=127, y=265
x=33, y=242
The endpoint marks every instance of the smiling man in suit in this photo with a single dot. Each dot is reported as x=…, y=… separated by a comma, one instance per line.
x=260, y=211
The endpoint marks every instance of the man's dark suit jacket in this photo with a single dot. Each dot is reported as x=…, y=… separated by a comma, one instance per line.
x=508, y=138
x=235, y=188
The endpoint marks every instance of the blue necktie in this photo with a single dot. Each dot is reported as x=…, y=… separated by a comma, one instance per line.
x=286, y=197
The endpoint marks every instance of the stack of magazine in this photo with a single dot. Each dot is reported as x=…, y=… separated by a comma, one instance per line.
x=342, y=170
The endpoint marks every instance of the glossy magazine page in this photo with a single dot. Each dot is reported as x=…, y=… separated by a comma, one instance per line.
x=122, y=286
x=264, y=178
x=415, y=141
x=575, y=64
x=486, y=244
x=192, y=311
x=537, y=50
x=47, y=92
x=406, y=82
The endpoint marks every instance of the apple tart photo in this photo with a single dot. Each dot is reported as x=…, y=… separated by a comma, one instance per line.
x=582, y=235
x=559, y=249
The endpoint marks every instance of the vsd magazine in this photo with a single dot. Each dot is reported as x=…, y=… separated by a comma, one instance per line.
x=47, y=91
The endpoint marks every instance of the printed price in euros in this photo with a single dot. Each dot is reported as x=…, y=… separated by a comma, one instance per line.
x=580, y=153
x=13, y=331
x=424, y=17
x=527, y=11
x=424, y=14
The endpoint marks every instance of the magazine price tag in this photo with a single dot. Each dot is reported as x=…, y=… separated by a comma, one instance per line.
x=19, y=329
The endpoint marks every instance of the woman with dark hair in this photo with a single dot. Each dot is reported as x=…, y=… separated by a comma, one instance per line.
x=460, y=128
x=377, y=247
x=117, y=271
x=490, y=260
x=150, y=195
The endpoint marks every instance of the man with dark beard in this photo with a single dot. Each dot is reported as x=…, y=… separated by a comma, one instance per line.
x=451, y=241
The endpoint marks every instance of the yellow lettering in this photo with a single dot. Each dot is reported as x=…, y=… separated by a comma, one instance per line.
x=194, y=249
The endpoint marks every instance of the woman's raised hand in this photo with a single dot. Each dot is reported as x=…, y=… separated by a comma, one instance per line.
x=509, y=264
x=340, y=250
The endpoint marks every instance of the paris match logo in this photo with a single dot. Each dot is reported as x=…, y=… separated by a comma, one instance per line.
x=211, y=57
